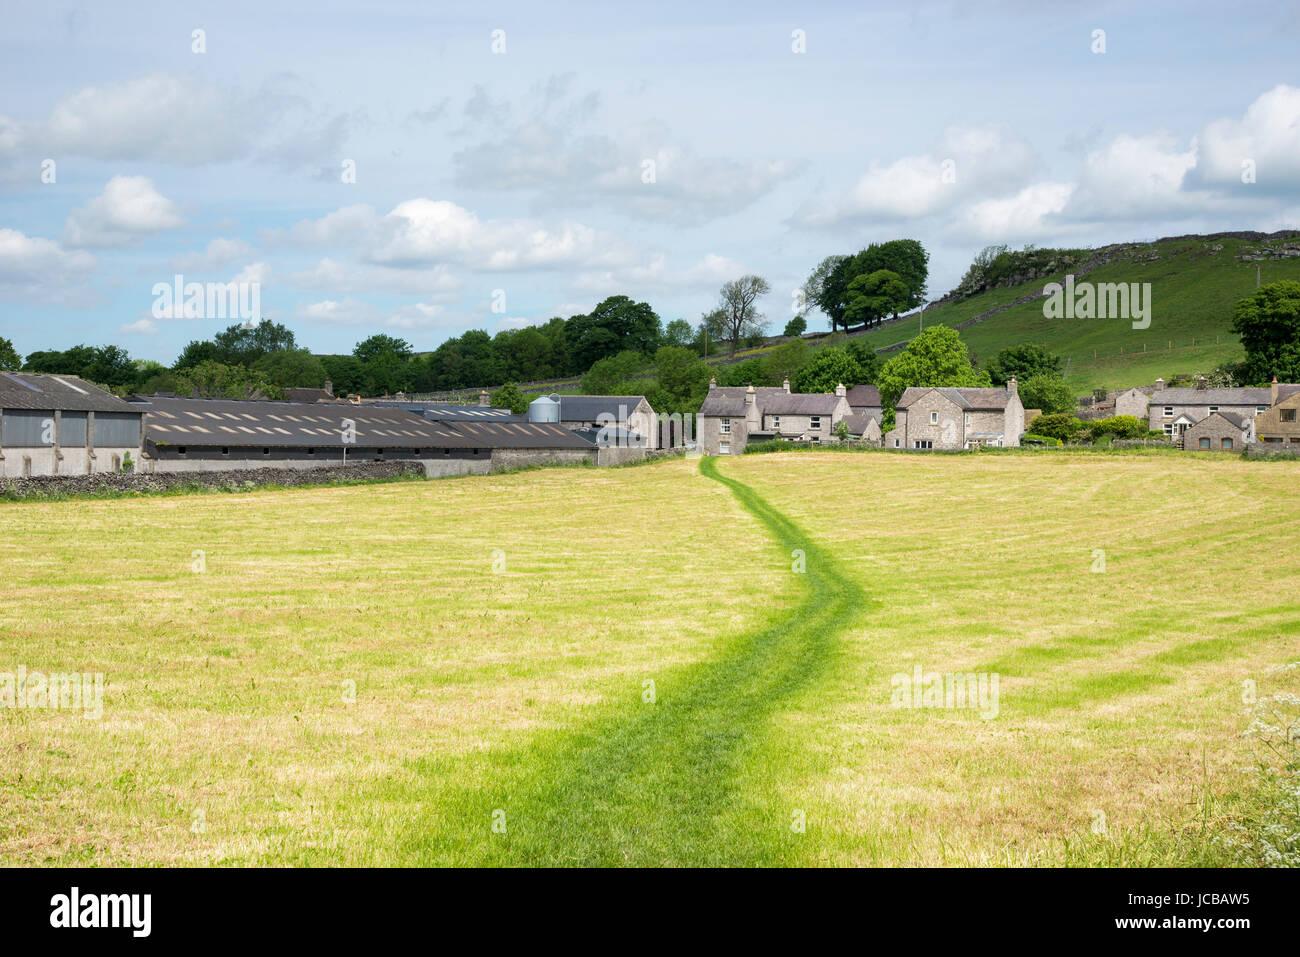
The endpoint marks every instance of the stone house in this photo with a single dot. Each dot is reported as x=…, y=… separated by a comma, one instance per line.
x=1280, y=424
x=1133, y=402
x=1174, y=411
x=1220, y=432
x=63, y=425
x=865, y=400
x=953, y=419
x=864, y=427
x=731, y=417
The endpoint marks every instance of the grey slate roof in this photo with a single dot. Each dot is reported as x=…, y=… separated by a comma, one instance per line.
x=771, y=400
x=858, y=422
x=987, y=400
x=1246, y=396
x=589, y=408
x=308, y=395
x=225, y=422
x=730, y=400
x=442, y=412
x=864, y=397
x=32, y=390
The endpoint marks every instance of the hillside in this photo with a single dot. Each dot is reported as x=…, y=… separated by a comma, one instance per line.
x=1195, y=282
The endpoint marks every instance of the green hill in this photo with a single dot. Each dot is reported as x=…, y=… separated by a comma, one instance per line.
x=1195, y=282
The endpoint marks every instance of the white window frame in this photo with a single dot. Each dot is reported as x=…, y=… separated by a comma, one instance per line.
x=1169, y=412
x=1260, y=408
x=724, y=448
x=934, y=418
x=726, y=427
x=1213, y=409
x=923, y=444
x=814, y=422
x=776, y=421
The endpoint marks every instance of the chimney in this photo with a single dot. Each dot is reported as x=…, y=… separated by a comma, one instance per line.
x=786, y=384
x=1012, y=386
x=1273, y=392
x=1160, y=385
x=483, y=397
x=840, y=390
x=329, y=387
x=750, y=395
x=713, y=382
x=1200, y=383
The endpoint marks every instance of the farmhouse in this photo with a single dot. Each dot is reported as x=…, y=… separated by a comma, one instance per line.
x=731, y=417
x=1174, y=411
x=63, y=425
x=217, y=434
x=951, y=418
x=865, y=400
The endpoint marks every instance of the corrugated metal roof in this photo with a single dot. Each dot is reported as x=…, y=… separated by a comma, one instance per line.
x=32, y=390
x=589, y=408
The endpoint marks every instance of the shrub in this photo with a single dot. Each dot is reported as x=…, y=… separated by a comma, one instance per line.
x=1033, y=439
x=1063, y=428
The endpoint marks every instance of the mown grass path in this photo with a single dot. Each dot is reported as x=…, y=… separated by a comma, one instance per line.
x=694, y=778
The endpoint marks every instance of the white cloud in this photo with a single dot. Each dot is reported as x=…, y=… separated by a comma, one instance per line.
x=1268, y=134
x=354, y=312
x=218, y=254
x=128, y=209
x=35, y=268
x=425, y=233
x=1022, y=216
x=332, y=275
x=967, y=163
x=708, y=273
x=1134, y=177
x=141, y=327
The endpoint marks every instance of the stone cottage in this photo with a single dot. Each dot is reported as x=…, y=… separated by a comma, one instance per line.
x=731, y=417
x=953, y=418
x=1220, y=432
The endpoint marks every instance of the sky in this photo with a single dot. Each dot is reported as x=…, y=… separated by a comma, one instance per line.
x=421, y=169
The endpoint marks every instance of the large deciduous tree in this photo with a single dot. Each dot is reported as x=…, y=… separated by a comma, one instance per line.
x=935, y=358
x=739, y=307
x=1268, y=322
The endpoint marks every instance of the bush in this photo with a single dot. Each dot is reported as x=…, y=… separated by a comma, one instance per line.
x=1063, y=428
x=1032, y=439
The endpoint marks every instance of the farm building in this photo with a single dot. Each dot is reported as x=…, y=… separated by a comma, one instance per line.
x=731, y=417
x=1220, y=432
x=63, y=425
x=952, y=418
x=216, y=434
x=630, y=413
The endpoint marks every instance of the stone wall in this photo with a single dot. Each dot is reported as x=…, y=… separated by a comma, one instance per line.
x=234, y=478
x=503, y=459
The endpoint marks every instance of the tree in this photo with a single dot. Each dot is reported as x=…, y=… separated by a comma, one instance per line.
x=683, y=379
x=346, y=374
x=678, y=333
x=1048, y=393
x=796, y=326
x=379, y=345
x=216, y=380
x=827, y=369
x=9, y=357
x=199, y=350
x=814, y=287
x=1024, y=362
x=935, y=358
x=905, y=257
x=872, y=296
x=245, y=344
x=739, y=309
x=1268, y=323
x=607, y=375
x=616, y=325
x=1059, y=426
x=867, y=358
x=509, y=397
x=292, y=368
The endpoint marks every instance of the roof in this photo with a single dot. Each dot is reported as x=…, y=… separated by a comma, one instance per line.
x=33, y=390
x=1232, y=418
x=771, y=400
x=308, y=395
x=799, y=403
x=589, y=408
x=864, y=397
x=1247, y=396
x=609, y=436
x=228, y=422
x=859, y=422
x=970, y=399
x=442, y=412
x=730, y=400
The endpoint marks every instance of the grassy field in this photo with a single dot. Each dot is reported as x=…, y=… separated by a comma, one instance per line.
x=684, y=663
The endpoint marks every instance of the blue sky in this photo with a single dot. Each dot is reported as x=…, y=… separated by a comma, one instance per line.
x=516, y=179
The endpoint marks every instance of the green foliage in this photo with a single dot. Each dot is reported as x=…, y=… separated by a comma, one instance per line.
x=109, y=366
x=873, y=296
x=1063, y=428
x=738, y=309
x=827, y=369
x=245, y=344
x=906, y=258
x=796, y=326
x=616, y=325
x=606, y=375
x=867, y=358
x=683, y=379
x=346, y=373
x=292, y=368
x=678, y=333
x=215, y=380
x=10, y=360
x=1048, y=393
x=509, y=397
x=937, y=357
x=1023, y=361
x=999, y=265
x=1032, y=438
x=1268, y=323
x=786, y=360
x=1119, y=427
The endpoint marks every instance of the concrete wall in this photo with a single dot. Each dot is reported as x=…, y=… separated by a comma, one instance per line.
x=17, y=462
